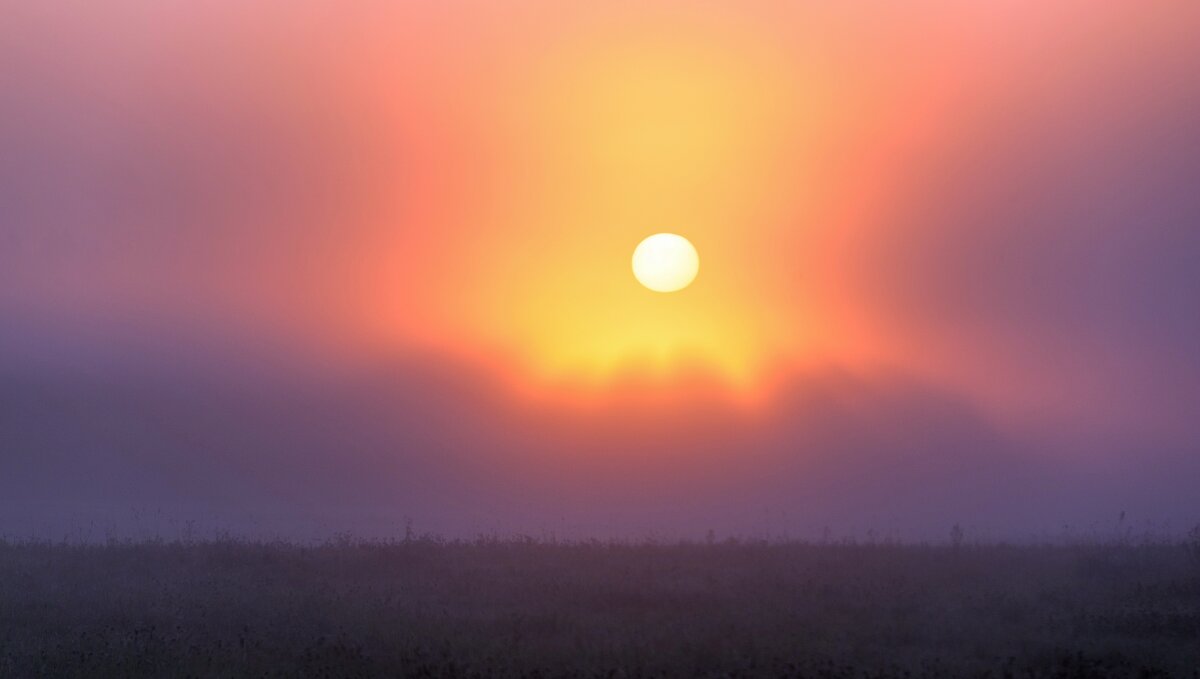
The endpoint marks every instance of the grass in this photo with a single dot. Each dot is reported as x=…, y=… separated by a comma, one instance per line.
x=487, y=608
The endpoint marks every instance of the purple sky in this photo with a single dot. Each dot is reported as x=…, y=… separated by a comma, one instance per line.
x=180, y=338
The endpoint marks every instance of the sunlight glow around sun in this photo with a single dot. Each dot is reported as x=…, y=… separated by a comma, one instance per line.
x=665, y=262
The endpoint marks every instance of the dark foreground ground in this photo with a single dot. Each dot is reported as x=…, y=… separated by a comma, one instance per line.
x=424, y=608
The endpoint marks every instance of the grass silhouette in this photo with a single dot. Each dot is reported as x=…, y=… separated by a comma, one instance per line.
x=524, y=607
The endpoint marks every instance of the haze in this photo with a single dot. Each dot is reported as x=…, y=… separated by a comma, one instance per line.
x=300, y=272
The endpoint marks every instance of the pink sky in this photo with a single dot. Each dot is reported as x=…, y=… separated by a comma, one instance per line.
x=949, y=261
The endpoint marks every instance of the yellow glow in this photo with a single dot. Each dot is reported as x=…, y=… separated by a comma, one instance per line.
x=579, y=149
x=665, y=262
x=635, y=131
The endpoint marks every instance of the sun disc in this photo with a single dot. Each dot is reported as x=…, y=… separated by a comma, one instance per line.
x=665, y=262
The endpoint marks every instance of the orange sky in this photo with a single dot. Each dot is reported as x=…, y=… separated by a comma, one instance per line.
x=325, y=256
x=543, y=142
x=471, y=177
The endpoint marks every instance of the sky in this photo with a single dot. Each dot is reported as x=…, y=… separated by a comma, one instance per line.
x=306, y=267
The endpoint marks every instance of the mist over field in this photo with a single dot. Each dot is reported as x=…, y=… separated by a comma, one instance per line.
x=177, y=439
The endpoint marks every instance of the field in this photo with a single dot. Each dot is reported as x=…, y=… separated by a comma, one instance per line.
x=530, y=608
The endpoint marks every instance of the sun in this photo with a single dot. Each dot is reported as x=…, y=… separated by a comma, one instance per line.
x=665, y=262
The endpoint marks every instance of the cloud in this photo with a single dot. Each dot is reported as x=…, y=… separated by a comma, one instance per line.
x=1045, y=249
x=444, y=444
